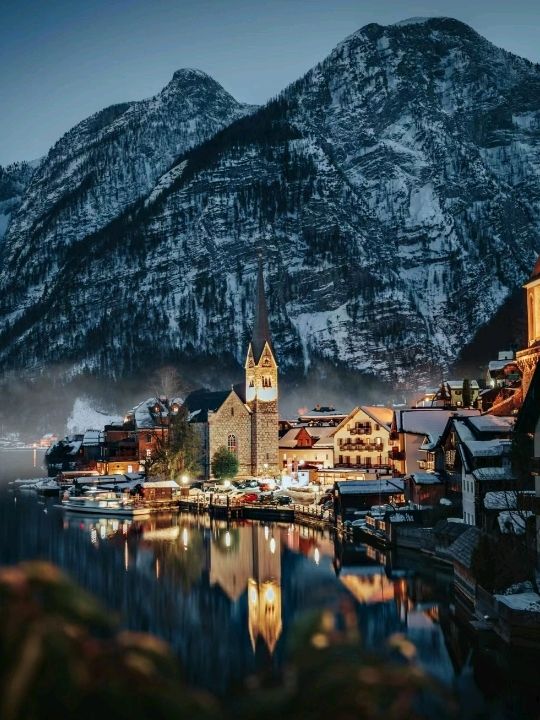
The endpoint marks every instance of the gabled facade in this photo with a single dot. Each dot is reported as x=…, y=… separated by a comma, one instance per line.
x=363, y=438
x=307, y=445
x=474, y=454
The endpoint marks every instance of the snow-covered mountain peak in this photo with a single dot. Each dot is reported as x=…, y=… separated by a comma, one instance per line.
x=396, y=184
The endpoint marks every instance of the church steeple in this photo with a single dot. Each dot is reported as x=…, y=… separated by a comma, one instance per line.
x=261, y=326
x=262, y=389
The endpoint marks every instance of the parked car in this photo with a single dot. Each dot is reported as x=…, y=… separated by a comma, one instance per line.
x=283, y=500
x=249, y=497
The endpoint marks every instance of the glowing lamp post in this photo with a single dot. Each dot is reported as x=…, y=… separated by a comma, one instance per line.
x=185, y=489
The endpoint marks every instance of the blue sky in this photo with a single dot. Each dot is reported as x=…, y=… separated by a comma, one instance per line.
x=62, y=60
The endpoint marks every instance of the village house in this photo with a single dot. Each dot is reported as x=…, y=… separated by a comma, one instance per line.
x=424, y=489
x=417, y=431
x=362, y=439
x=474, y=457
x=352, y=496
x=307, y=445
x=456, y=394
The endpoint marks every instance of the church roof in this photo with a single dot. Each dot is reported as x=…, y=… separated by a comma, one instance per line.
x=261, y=326
x=200, y=402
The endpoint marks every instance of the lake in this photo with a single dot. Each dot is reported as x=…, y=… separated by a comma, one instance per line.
x=227, y=597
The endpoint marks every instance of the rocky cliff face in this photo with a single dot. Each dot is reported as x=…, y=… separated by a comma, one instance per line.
x=14, y=179
x=393, y=190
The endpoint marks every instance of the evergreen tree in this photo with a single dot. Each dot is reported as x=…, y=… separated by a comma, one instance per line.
x=224, y=464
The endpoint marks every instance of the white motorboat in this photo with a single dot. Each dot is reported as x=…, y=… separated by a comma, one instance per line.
x=105, y=504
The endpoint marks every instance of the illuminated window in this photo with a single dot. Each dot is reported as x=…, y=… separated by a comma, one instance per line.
x=231, y=444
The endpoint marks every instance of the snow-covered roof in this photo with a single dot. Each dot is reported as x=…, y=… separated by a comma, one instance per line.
x=401, y=517
x=493, y=473
x=458, y=384
x=493, y=423
x=500, y=500
x=495, y=365
x=75, y=446
x=289, y=439
x=527, y=601
x=144, y=418
x=513, y=521
x=426, y=421
x=368, y=487
x=381, y=415
x=160, y=484
x=488, y=448
x=92, y=437
x=426, y=478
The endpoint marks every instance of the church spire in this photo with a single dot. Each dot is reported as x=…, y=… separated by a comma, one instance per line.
x=261, y=326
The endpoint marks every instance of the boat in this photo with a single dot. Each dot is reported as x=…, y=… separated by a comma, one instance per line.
x=47, y=487
x=104, y=504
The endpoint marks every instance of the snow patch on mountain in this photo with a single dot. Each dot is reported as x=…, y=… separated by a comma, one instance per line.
x=84, y=416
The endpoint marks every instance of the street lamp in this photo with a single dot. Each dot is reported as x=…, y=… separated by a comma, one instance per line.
x=184, y=479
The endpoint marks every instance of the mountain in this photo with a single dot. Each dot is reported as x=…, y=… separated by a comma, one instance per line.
x=14, y=179
x=103, y=165
x=394, y=190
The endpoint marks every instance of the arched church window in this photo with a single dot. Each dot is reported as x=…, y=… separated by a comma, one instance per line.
x=231, y=444
x=267, y=382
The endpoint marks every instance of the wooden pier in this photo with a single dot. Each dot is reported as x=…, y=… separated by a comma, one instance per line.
x=311, y=515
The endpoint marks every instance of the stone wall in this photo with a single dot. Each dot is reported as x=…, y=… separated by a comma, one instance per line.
x=232, y=418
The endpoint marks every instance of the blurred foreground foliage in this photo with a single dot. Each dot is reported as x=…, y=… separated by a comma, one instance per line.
x=62, y=655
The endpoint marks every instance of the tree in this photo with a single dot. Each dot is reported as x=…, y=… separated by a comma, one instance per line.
x=168, y=382
x=224, y=464
x=177, y=450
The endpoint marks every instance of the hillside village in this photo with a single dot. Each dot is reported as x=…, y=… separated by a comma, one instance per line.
x=461, y=460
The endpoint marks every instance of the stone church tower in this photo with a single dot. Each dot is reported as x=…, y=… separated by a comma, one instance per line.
x=262, y=390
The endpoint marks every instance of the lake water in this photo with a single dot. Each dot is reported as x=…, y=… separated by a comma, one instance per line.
x=226, y=597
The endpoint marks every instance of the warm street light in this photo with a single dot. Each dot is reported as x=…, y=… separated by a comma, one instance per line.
x=185, y=479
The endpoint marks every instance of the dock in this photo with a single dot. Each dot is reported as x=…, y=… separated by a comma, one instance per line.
x=311, y=515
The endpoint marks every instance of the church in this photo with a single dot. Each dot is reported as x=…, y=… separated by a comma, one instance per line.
x=245, y=418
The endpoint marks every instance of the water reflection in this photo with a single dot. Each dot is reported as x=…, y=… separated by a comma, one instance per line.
x=227, y=597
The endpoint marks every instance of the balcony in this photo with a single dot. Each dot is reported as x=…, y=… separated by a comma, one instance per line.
x=426, y=464
x=361, y=447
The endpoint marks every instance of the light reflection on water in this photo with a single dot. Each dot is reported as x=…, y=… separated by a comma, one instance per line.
x=227, y=596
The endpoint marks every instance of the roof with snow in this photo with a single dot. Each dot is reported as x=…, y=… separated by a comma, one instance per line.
x=369, y=487
x=427, y=421
x=92, y=437
x=513, y=521
x=145, y=415
x=462, y=549
x=487, y=474
x=458, y=384
x=500, y=500
x=493, y=424
x=425, y=478
x=201, y=402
